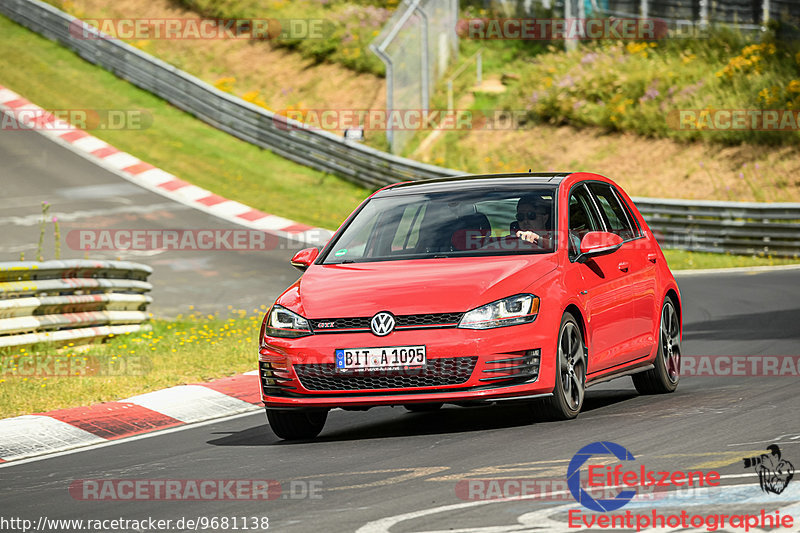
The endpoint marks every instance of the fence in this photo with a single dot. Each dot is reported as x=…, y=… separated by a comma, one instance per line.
x=744, y=14
x=770, y=228
x=416, y=45
x=684, y=18
x=74, y=300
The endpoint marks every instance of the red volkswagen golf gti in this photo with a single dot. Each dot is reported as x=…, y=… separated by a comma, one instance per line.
x=521, y=287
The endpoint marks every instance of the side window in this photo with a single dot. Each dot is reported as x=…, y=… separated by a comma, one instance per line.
x=616, y=217
x=583, y=218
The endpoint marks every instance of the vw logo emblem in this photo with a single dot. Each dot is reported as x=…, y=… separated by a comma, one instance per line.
x=382, y=323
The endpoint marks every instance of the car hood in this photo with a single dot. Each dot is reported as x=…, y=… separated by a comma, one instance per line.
x=410, y=287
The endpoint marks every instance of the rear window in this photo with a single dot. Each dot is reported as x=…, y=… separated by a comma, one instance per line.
x=446, y=224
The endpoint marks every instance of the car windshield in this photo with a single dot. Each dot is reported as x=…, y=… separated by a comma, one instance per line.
x=471, y=222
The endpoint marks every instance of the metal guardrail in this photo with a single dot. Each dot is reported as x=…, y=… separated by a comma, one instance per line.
x=709, y=226
x=724, y=227
x=74, y=300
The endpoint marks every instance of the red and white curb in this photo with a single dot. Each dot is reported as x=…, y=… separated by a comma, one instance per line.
x=29, y=436
x=146, y=175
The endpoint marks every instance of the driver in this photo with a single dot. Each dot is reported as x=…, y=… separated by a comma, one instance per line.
x=533, y=220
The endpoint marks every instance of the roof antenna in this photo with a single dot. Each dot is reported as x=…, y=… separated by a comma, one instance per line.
x=530, y=170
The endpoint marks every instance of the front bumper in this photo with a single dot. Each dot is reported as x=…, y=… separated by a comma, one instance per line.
x=463, y=365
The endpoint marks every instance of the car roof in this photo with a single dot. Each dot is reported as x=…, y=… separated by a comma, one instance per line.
x=476, y=180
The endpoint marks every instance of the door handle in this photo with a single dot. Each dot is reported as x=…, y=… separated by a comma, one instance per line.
x=624, y=266
x=652, y=258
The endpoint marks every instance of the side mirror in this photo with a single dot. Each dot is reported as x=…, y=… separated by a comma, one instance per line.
x=304, y=258
x=597, y=243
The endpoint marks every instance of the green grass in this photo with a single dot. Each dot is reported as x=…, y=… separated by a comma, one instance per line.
x=187, y=350
x=55, y=78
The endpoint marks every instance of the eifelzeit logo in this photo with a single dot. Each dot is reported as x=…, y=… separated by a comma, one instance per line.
x=774, y=473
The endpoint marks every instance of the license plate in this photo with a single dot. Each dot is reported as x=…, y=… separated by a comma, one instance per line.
x=383, y=358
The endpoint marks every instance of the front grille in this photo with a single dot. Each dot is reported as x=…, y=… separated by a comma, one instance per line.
x=436, y=319
x=431, y=320
x=437, y=373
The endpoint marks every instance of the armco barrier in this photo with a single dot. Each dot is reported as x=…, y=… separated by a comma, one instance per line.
x=733, y=227
x=724, y=227
x=73, y=300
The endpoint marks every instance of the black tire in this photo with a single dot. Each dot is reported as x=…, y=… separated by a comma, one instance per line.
x=296, y=425
x=423, y=407
x=570, y=387
x=666, y=374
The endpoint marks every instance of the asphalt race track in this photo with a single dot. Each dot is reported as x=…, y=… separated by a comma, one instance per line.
x=386, y=469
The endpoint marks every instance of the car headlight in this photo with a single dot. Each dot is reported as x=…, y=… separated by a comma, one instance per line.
x=510, y=311
x=285, y=323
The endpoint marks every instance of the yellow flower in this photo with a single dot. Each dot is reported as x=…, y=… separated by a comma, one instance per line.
x=225, y=85
x=793, y=87
x=766, y=96
x=637, y=48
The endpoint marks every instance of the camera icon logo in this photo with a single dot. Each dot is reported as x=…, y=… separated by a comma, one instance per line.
x=774, y=472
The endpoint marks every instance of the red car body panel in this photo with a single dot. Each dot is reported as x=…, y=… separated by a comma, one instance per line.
x=617, y=298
